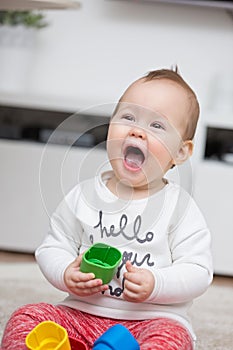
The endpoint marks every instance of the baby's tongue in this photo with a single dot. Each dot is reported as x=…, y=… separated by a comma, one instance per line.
x=134, y=157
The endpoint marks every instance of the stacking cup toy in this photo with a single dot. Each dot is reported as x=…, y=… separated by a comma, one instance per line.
x=102, y=260
x=117, y=337
x=49, y=335
x=77, y=344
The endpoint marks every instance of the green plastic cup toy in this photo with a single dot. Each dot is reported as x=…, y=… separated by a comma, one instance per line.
x=102, y=260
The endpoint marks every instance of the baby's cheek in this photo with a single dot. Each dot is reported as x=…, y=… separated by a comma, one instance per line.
x=160, y=151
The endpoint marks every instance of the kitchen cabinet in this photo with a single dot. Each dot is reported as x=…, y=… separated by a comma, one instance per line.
x=213, y=190
x=214, y=194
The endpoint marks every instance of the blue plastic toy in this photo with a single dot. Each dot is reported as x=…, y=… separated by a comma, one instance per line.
x=117, y=337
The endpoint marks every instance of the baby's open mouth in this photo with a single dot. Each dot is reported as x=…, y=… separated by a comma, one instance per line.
x=133, y=158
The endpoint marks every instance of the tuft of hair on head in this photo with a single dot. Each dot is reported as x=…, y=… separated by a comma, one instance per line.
x=173, y=74
x=174, y=68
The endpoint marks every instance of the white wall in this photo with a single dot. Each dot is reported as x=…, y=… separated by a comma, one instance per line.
x=92, y=54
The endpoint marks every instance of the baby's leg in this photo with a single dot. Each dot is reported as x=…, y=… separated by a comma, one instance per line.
x=79, y=325
x=161, y=334
x=26, y=318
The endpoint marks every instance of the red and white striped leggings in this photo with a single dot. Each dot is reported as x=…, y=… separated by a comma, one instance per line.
x=155, y=334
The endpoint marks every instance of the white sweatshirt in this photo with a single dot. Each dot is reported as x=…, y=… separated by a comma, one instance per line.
x=165, y=233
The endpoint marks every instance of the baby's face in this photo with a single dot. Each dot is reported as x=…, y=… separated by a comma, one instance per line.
x=146, y=131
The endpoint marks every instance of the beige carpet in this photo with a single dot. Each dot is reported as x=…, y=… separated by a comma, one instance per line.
x=212, y=314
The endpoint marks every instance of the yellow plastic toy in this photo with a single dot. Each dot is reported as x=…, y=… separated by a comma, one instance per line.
x=48, y=335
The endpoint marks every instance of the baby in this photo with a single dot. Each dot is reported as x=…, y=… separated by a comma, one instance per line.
x=159, y=229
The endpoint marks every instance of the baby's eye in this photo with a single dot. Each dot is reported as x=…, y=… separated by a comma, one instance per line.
x=128, y=117
x=157, y=125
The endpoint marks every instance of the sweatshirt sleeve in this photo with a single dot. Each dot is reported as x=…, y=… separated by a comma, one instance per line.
x=61, y=245
x=191, y=271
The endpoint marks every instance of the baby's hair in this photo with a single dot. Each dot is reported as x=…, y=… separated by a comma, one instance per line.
x=173, y=75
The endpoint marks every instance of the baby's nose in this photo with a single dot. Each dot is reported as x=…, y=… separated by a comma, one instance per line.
x=138, y=133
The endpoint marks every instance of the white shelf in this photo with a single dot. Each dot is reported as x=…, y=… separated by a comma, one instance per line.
x=38, y=4
x=28, y=100
x=54, y=103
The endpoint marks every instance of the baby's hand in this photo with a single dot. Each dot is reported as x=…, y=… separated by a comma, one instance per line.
x=139, y=283
x=82, y=284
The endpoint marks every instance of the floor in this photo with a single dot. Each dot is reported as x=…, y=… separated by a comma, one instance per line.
x=6, y=256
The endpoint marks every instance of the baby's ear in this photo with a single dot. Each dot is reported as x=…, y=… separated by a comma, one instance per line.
x=184, y=152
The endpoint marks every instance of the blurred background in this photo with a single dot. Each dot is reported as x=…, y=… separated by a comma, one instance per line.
x=81, y=60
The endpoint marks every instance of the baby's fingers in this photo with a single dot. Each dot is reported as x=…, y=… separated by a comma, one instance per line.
x=85, y=277
x=89, y=283
x=89, y=288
